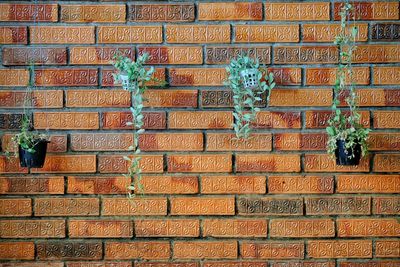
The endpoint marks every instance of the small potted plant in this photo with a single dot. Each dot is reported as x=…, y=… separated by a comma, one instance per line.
x=347, y=138
x=249, y=86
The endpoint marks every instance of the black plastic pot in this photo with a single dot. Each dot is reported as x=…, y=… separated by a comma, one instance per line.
x=35, y=159
x=344, y=156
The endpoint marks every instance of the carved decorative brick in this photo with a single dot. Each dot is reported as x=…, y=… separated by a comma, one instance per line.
x=327, y=32
x=338, y=205
x=116, y=164
x=385, y=31
x=200, y=120
x=376, y=54
x=205, y=250
x=235, y=228
x=170, y=98
x=300, y=184
x=37, y=56
x=66, y=77
x=198, y=34
x=89, y=55
x=197, y=76
x=325, y=163
x=387, y=163
x=161, y=12
x=107, y=78
x=15, y=207
x=29, y=12
x=387, y=248
x=69, y=250
x=219, y=98
x=171, y=142
x=374, y=97
x=230, y=184
x=137, y=250
x=297, y=11
x=68, y=164
x=267, y=163
x=129, y=34
x=167, y=228
x=66, y=120
x=319, y=119
x=286, y=76
x=304, y=263
x=40, y=99
x=386, y=119
x=32, y=185
x=172, y=54
x=97, y=264
x=368, y=184
x=340, y=248
x=305, y=54
x=301, y=97
x=101, y=141
x=368, y=227
x=327, y=76
x=11, y=165
x=277, y=120
x=202, y=206
x=167, y=184
x=62, y=34
x=66, y=206
x=117, y=120
x=223, y=54
x=234, y=264
x=93, y=13
x=267, y=33
x=270, y=206
x=300, y=141
x=97, y=98
x=100, y=228
x=58, y=143
x=230, y=11
x=200, y=163
x=17, y=251
x=136, y=206
x=227, y=142
x=32, y=264
x=386, y=205
x=32, y=229
x=303, y=228
x=272, y=250
x=370, y=10
x=386, y=75
x=13, y=35
x=97, y=185
x=168, y=264
x=14, y=77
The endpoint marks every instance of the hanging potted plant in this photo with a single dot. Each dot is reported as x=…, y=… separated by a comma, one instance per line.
x=347, y=138
x=249, y=86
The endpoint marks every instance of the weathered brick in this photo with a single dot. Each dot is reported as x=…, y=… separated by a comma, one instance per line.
x=305, y=54
x=29, y=12
x=17, y=250
x=69, y=250
x=387, y=248
x=167, y=184
x=374, y=97
x=202, y=206
x=327, y=32
x=372, y=183
x=66, y=120
x=96, y=264
x=297, y=11
x=228, y=142
x=34, y=55
x=230, y=11
x=172, y=54
x=386, y=75
x=386, y=119
x=97, y=185
x=272, y=250
x=101, y=141
x=15, y=207
x=387, y=163
x=117, y=120
x=338, y=205
x=325, y=163
x=366, y=227
x=32, y=229
x=68, y=164
x=66, y=77
x=223, y=54
x=13, y=35
x=62, y=34
x=300, y=184
x=40, y=99
x=170, y=98
x=327, y=76
x=107, y=78
x=376, y=54
x=14, y=77
x=386, y=205
x=11, y=121
x=303, y=228
x=234, y=264
x=300, y=141
x=93, y=13
x=220, y=98
x=33, y=264
x=277, y=120
x=385, y=31
x=370, y=263
x=137, y=250
x=100, y=228
x=205, y=250
x=31, y=185
x=167, y=228
x=129, y=34
x=370, y=10
x=97, y=98
x=66, y=206
x=161, y=12
x=197, y=76
x=89, y=55
x=301, y=97
x=11, y=165
x=116, y=164
x=198, y=34
x=200, y=120
x=267, y=33
x=171, y=142
x=235, y=228
x=167, y=264
x=286, y=76
x=135, y=206
x=340, y=248
x=304, y=263
x=200, y=163
x=230, y=184
x=319, y=118
x=267, y=163
x=58, y=143
x=270, y=206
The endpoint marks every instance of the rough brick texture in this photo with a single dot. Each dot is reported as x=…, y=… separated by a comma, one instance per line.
x=275, y=200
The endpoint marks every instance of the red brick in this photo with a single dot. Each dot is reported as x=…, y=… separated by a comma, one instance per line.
x=286, y=76
x=300, y=141
x=267, y=206
x=129, y=34
x=228, y=142
x=15, y=207
x=303, y=228
x=230, y=184
x=297, y=11
x=17, y=251
x=327, y=32
x=33, y=264
x=230, y=11
x=32, y=229
x=100, y=228
x=267, y=163
x=161, y=12
x=340, y=248
x=89, y=55
x=235, y=228
x=366, y=227
x=136, y=206
x=13, y=35
x=200, y=120
x=386, y=75
x=66, y=120
x=58, y=143
x=11, y=165
x=374, y=97
x=305, y=54
x=69, y=250
x=304, y=263
x=387, y=163
x=277, y=120
x=40, y=99
x=32, y=185
x=116, y=164
x=372, y=183
x=272, y=250
x=117, y=120
x=62, y=34
x=327, y=76
x=172, y=54
x=387, y=248
x=235, y=264
x=386, y=205
x=171, y=142
x=97, y=98
x=97, y=185
x=300, y=184
x=93, y=13
x=198, y=34
x=370, y=263
x=202, y=206
x=199, y=163
x=67, y=206
x=14, y=77
x=167, y=228
x=319, y=119
x=137, y=250
x=66, y=77
x=386, y=119
x=223, y=54
x=205, y=250
x=338, y=205
x=370, y=10
x=68, y=164
x=267, y=33
x=167, y=184
x=96, y=264
x=37, y=56
x=29, y=12
x=171, y=98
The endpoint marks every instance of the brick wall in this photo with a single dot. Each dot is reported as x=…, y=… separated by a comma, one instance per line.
x=277, y=200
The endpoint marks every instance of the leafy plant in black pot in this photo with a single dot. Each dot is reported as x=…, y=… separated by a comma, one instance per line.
x=347, y=138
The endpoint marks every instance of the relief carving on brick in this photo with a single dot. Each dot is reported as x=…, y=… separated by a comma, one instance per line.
x=297, y=11
x=62, y=34
x=273, y=250
x=161, y=12
x=223, y=54
x=270, y=206
x=38, y=56
x=69, y=250
x=88, y=55
x=116, y=164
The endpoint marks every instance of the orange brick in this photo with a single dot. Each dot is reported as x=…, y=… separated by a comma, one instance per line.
x=239, y=263
x=340, y=248
x=58, y=143
x=230, y=184
x=31, y=185
x=197, y=76
x=62, y=34
x=272, y=250
x=325, y=163
x=327, y=32
x=297, y=11
x=66, y=77
x=372, y=183
x=161, y=12
x=32, y=229
x=170, y=98
x=305, y=54
x=97, y=98
x=300, y=184
x=202, y=206
x=172, y=54
x=230, y=11
x=40, y=99
x=301, y=97
x=29, y=12
x=93, y=13
x=33, y=264
x=171, y=142
x=13, y=35
x=366, y=227
x=267, y=163
x=370, y=263
x=167, y=184
x=338, y=205
x=277, y=120
x=319, y=119
x=136, y=206
x=118, y=120
x=375, y=97
x=66, y=120
x=200, y=120
x=205, y=250
x=371, y=10
x=387, y=248
x=228, y=142
x=129, y=34
x=198, y=34
x=67, y=206
x=11, y=165
x=167, y=228
x=387, y=163
x=303, y=228
x=68, y=164
x=200, y=163
x=17, y=251
x=14, y=77
x=108, y=79
x=116, y=164
x=89, y=55
x=386, y=75
x=286, y=76
x=386, y=205
x=101, y=141
x=267, y=206
x=235, y=228
x=300, y=141
x=35, y=55
x=327, y=76
x=15, y=207
x=97, y=185
x=267, y=33
x=387, y=119
x=100, y=228
x=137, y=250
x=376, y=54
x=305, y=263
